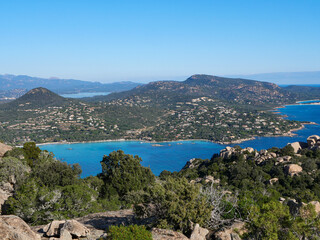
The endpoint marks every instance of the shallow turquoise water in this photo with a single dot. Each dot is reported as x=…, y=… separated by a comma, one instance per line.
x=84, y=94
x=173, y=156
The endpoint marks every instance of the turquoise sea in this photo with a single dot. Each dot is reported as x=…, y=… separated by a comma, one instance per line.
x=172, y=156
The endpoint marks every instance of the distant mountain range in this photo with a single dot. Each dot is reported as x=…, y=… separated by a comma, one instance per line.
x=232, y=90
x=12, y=86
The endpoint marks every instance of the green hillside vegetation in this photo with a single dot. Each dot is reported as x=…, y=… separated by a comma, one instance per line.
x=202, y=107
x=231, y=90
x=214, y=193
x=35, y=98
x=304, y=92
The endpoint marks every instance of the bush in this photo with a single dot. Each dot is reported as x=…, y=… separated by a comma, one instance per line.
x=16, y=153
x=132, y=232
x=175, y=203
x=123, y=173
x=10, y=166
x=56, y=173
x=31, y=152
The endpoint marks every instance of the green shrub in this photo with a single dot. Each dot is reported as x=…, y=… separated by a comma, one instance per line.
x=132, y=232
x=175, y=203
x=123, y=173
x=10, y=166
x=31, y=152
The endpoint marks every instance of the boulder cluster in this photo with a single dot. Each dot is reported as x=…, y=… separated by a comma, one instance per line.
x=313, y=143
x=65, y=230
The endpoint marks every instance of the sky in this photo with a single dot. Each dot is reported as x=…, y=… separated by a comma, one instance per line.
x=115, y=40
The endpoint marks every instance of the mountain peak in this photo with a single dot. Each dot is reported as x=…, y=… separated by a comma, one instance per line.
x=39, y=90
x=39, y=97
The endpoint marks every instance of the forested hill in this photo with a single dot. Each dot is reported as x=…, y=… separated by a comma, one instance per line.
x=37, y=98
x=304, y=92
x=233, y=90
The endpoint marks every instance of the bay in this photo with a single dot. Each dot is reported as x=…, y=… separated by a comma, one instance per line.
x=172, y=156
x=84, y=94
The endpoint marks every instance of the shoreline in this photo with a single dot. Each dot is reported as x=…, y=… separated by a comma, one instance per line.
x=290, y=133
x=156, y=143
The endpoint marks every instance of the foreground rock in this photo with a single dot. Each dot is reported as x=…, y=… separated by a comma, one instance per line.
x=96, y=223
x=53, y=229
x=75, y=228
x=3, y=149
x=164, y=234
x=14, y=228
x=232, y=232
x=199, y=233
x=66, y=229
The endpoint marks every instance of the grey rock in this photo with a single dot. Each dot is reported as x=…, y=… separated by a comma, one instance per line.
x=53, y=229
x=14, y=228
x=75, y=228
x=199, y=233
x=4, y=148
x=164, y=234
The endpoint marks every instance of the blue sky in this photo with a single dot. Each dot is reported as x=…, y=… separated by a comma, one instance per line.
x=157, y=39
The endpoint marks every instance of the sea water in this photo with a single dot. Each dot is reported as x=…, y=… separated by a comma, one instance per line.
x=84, y=94
x=172, y=156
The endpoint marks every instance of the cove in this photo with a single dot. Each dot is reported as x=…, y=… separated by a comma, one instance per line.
x=172, y=156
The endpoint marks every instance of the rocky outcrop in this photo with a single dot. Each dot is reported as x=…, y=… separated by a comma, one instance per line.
x=316, y=205
x=313, y=141
x=230, y=151
x=164, y=234
x=293, y=169
x=297, y=146
x=6, y=190
x=199, y=233
x=273, y=180
x=206, y=179
x=14, y=228
x=192, y=163
x=232, y=232
x=65, y=229
x=53, y=229
x=97, y=223
x=3, y=149
x=75, y=228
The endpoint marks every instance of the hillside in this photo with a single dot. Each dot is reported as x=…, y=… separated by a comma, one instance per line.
x=202, y=107
x=304, y=92
x=43, y=116
x=37, y=98
x=13, y=86
x=231, y=90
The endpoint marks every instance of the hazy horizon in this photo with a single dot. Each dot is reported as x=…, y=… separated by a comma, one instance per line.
x=281, y=78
